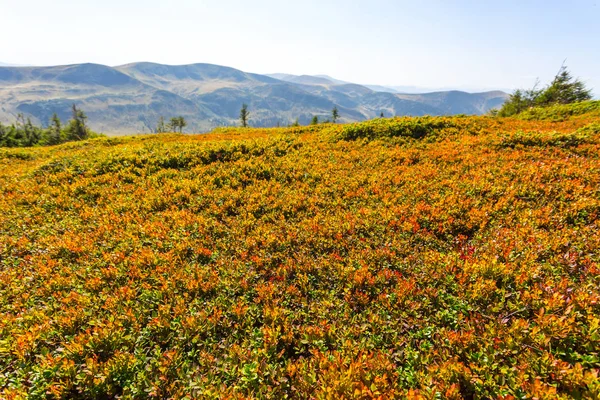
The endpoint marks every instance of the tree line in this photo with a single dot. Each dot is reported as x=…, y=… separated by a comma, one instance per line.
x=245, y=115
x=23, y=133
x=335, y=115
x=175, y=124
x=564, y=89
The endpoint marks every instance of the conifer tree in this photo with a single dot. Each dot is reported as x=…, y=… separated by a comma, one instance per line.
x=564, y=89
x=77, y=128
x=55, y=131
x=182, y=124
x=161, y=126
x=244, y=115
x=335, y=114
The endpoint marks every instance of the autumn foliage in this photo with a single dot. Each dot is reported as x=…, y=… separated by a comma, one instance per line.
x=417, y=258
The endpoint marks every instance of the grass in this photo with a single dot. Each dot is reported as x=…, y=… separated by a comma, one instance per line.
x=452, y=257
x=562, y=112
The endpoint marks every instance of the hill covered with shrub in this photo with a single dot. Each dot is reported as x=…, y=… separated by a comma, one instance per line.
x=433, y=257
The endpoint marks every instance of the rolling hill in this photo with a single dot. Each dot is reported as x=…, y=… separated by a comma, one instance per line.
x=131, y=98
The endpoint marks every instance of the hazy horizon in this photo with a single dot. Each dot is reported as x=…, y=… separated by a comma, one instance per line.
x=434, y=45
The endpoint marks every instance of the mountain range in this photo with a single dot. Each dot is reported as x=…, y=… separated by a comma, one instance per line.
x=131, y=98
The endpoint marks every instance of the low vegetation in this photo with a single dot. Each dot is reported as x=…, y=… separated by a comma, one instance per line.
x=417, y=258
x=562, y=112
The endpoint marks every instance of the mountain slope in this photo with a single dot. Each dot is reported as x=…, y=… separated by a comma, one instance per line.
x=132, y=97
x=114, y=101
x=457, y=102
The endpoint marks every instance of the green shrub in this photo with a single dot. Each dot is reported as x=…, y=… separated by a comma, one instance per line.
x=561, y=112
x=415, y=128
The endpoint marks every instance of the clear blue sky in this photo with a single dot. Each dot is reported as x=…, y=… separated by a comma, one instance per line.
x=463, y=44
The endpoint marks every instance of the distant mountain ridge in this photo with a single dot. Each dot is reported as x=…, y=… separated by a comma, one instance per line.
x=131, y=98
x=3, y=64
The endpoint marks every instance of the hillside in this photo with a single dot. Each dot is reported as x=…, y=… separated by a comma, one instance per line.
x=131, y=98
x=432, y=257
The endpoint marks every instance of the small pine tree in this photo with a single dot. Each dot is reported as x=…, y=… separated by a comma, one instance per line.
x=296, y=122
x=161, y=126
x=335, y=114
x=55, y=130
x=315, y=120
x=182, y=123
x=244, y=115
x=77, y=128
x=381, y=115
x=173, y=124
x=564, y=89
x=516, y=103
x=32, y=134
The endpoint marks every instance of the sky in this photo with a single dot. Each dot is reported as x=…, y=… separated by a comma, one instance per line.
x=461, y=44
